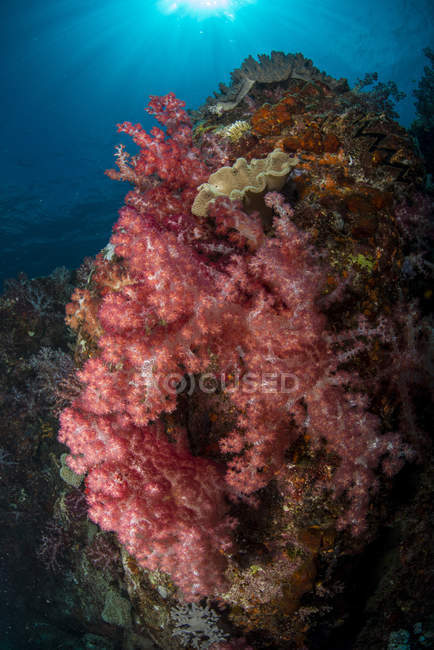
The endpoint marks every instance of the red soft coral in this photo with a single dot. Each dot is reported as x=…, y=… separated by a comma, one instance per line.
x=183, y=298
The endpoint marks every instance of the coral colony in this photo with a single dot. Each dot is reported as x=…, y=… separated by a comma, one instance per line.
x=215, y=378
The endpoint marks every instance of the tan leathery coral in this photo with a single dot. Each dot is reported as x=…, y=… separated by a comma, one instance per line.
x=243, y=179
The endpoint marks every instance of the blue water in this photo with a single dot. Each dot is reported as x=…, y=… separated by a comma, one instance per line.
x=71, y=69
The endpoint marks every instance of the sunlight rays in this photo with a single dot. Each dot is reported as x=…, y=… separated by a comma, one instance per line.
x=202, y=8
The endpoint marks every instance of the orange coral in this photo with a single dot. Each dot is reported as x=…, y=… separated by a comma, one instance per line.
x=331, y=143
x=263, y=122
x=269, y=120
x=82, y=312
x=311, y=140
x=367, y=200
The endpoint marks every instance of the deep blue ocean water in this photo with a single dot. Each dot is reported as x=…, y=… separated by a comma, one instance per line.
x=71, y=69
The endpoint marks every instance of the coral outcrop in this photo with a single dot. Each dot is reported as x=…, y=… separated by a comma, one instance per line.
x=268, y=69
x=247, y=356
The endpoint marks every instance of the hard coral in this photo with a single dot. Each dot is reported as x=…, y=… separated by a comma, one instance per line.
x=269, y=69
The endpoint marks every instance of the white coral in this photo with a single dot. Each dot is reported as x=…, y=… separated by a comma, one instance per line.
x=196, y=626
x=236, y=130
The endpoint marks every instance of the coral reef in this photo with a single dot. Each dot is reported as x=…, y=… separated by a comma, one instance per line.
x=247, y=419
x=267, y=69
x=52, y=595
x=243, y=355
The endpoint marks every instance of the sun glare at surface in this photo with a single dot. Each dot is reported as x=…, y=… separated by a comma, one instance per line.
x=202, y=8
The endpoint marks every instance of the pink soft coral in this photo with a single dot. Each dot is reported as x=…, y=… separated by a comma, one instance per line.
x=166, y=505
x=183, y=297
